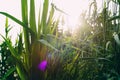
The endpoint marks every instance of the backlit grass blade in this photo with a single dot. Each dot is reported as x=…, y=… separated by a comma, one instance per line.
x=44, y=16
x=56, y=8
x=47, y=44
x=32, y=16
x=24, y=11
x=50, y=19
x=116, y=37
x=55, y=27
x=24, y=8
x=39, y=23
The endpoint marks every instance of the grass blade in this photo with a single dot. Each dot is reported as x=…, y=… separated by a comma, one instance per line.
x=50, y=19
x=44, y=16
x=12, y=50
x=24, y=11
x=17, y=21
x=39, y=23
x=47, y=44
x=116, y=37
x=25, y=20
x=32, y=16
x=11, y=70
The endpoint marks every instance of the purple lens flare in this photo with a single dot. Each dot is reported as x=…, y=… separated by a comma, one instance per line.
x=43, y=65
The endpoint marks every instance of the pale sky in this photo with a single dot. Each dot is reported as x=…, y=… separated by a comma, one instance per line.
x=13, y=7
x=72, y=7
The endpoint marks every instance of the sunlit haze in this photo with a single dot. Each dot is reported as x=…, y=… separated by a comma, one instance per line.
x=72, y=8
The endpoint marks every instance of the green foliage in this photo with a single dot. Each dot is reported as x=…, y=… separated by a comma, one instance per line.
x=7, y=69
x=92, y=54
x=26, y=59
x=9, y=72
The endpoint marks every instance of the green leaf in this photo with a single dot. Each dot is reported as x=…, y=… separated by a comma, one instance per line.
x=44, y=16
x=25, y=20
x=24, y=11
x=6, y=22
x=32, y=16
x=9, y=72
x=47, y=44
x=21, y=71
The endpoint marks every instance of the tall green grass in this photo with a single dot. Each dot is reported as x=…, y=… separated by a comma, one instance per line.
x=93, y=54
x=36, y=45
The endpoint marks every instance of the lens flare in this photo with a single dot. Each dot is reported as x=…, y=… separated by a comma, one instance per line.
x=43, y=65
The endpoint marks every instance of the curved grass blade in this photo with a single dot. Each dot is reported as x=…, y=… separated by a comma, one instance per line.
x=116, y=37
x=47, y=44
x=56, y=8
x=17, y=21
x=107, y=45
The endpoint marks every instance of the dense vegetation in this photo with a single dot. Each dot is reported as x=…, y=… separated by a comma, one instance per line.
x=91, y=53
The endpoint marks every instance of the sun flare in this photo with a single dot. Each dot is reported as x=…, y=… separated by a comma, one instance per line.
x=73, y=10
